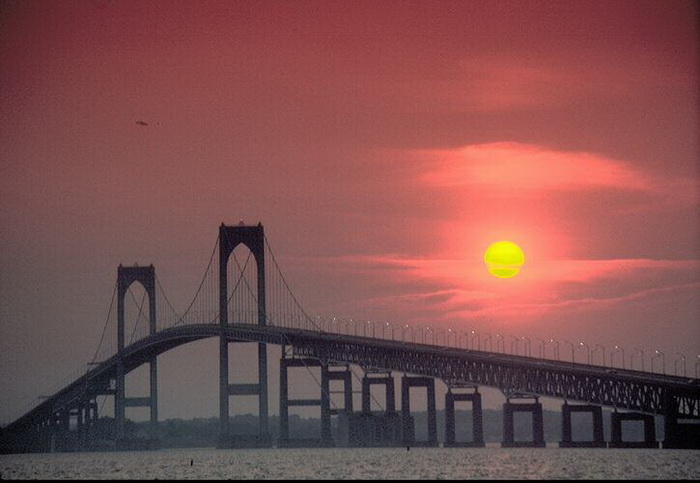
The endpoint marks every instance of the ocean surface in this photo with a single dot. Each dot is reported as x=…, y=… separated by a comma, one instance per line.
x=359, y=463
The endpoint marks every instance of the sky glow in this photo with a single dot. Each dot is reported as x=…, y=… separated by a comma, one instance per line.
x=383, y=145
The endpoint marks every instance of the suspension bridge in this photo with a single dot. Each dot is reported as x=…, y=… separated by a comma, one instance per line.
x=249, y=300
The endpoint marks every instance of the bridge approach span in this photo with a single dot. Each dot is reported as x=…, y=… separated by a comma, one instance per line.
x=618, y=388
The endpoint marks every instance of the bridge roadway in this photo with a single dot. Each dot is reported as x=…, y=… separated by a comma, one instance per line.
x=618, y=388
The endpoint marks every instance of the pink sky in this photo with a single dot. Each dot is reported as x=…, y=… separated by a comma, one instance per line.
x=383, y=145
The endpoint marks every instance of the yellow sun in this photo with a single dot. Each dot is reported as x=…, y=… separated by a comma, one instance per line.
x=504, y=259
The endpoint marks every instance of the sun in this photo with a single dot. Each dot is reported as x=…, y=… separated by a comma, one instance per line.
x=504, y=259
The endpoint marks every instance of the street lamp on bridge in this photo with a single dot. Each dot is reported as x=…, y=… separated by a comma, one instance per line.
x=588, y=350
x=528, y=346
x=542, y=350
x=437, y=339
x=451, y=331
x=617, y=349
x=556, y=348
x=512, y=343
x=427, y=327
x=478, y=340
x=602, y=348
x=572, y=350
x=658, y=353
x=466, y=340
x=503, y=343
x=675, y=371
x=487, y=336
x=370, y=324
x=407, y=327
x=636, y=351
x=395, y=327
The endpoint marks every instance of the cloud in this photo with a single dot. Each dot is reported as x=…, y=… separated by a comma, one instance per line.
x=441, y=289
x=507, y=166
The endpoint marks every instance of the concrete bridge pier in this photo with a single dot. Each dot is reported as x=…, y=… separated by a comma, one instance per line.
x=383, y=378
x=535, y=409
x=679, y=434
x=566, y=433
x=345, y=376
x=616, y=440
x=368, y=428
x=86, y=421
x=409, y=433
x=326, y=439
x=477, y=417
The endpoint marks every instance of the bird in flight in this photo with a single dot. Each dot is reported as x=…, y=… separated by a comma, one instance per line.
x=142, y=123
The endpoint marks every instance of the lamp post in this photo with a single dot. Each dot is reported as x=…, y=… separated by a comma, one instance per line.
x=487, y=336
x=422, y=335
x=572, y=349
x=588, y=350
x=528, y=346
x=514, y=342
x=451, y=331
x=697, y=366
x=556, y=348
x=636, y=351
x=406, y=327
x=542, y=348
x=602, y=348
x=676, y=360
x=617, y=349
x=478, y=341
x=395, y=327
x=437, y=333
x=658, y=353
x=499, y=337
x=432, y=331
x=466, y=340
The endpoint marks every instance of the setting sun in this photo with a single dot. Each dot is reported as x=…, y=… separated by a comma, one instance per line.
x=504, y=259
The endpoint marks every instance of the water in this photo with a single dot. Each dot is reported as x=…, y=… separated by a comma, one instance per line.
x=360, y=463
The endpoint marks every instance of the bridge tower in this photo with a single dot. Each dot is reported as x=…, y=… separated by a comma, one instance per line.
x=125, y=277
x=254, y=239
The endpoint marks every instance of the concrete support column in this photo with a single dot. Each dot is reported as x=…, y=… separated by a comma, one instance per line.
x=566, y=433
x=477, y=419
x=407, y=382
x=346, y=377
x=535, y=408
x=284, y=402
x=326, y=438
x=677, y=434
x=616, y=440
x=119, y=397
x=385, y=379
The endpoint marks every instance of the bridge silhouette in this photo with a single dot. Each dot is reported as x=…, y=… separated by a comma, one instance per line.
x=258, y=306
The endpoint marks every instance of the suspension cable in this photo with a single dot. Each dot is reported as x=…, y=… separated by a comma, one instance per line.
x=138, y=318
x=206, y=271
x=104, y=329
x=286, y=285
x=167, y=301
